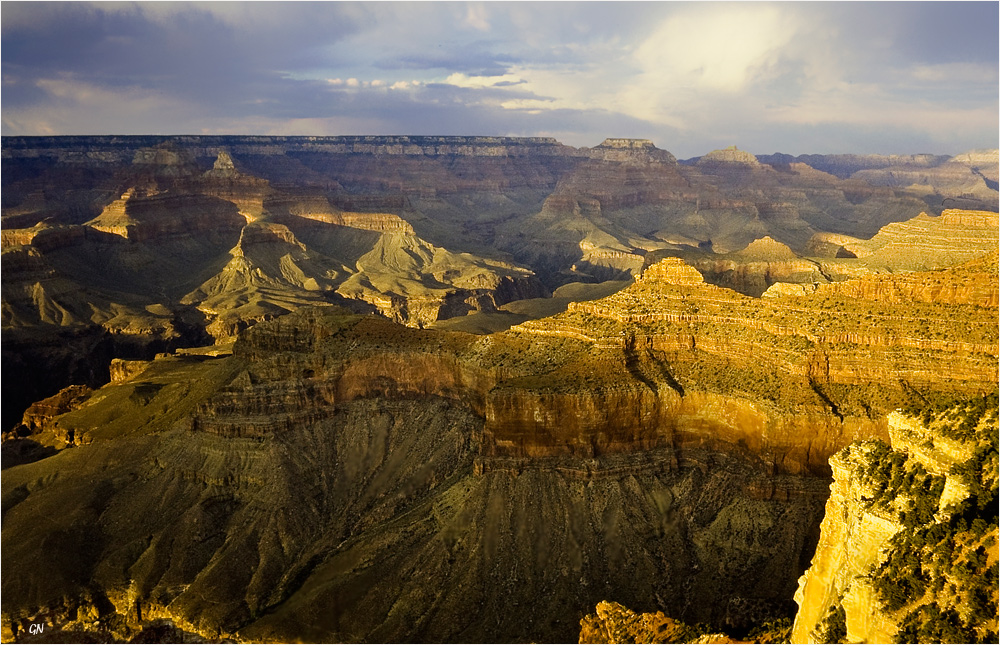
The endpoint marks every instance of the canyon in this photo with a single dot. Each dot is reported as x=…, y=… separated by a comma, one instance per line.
x=907, y=551
x=124, y=247
x=243, y=401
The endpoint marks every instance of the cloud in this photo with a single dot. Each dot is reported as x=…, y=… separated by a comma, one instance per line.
x=468, y=59
x=717, y=51
x=801, y=77
x=476, y=17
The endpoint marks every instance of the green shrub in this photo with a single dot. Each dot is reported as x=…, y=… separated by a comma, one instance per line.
x=833, y=628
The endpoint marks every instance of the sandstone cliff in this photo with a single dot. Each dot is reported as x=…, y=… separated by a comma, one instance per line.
x=908, y=546
x=613, y=623
x=926, y=242
x=794, y=378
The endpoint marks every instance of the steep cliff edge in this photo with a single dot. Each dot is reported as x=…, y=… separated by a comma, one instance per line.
x=329, y=482
x=908, y=545
x=907, y=551
x=794, y=378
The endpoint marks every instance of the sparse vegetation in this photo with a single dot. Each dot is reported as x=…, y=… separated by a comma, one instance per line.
x=833, y=628
x=937, y=571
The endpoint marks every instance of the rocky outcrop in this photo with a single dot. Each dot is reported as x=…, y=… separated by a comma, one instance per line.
x=43, y=237
x=907, y=544
x=785, y=289
x=730, y=155
x=702, y=360
x=39, y=415
x=969, y=284
x=123, y=370
x=151, y=218
x=765, y=249
x=926, y=242
x=247, y=192
x=631, y=151
x=672, y=271
x=613, y=623
x=752, y=270
x=672, y=317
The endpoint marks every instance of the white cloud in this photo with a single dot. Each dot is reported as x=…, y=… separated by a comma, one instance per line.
x=475, y=16
x=696, y=72
x=535, y=106
x=718, y=50
x=458, y=79
x=699, y=62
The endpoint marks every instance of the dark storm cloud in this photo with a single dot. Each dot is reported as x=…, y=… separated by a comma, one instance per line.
x=187, y=52
x=926, y=32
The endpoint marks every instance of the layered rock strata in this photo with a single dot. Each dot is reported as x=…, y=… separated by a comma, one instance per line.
x=926, y=242
x=673, y=430
x=686, y=342
x=908, y=546
x=348, y=454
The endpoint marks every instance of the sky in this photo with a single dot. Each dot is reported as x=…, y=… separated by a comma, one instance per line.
x=811, y=77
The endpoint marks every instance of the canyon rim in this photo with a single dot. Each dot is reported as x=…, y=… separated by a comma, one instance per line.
x=499, y=322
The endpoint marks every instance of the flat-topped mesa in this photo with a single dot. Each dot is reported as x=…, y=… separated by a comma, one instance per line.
x=633, y=144
x=731, y=155
x=631, y=150
x=928, y=242
x=972, y=219
x=971, y=283
x=433, y=146
x=168, y=151
x=672, y=271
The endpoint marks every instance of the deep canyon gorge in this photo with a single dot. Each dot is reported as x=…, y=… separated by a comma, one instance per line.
x=476, y=389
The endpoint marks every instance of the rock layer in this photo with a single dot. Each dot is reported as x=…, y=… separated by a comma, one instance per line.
x=348, y=453
x=625, y=449
x=908, y=543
